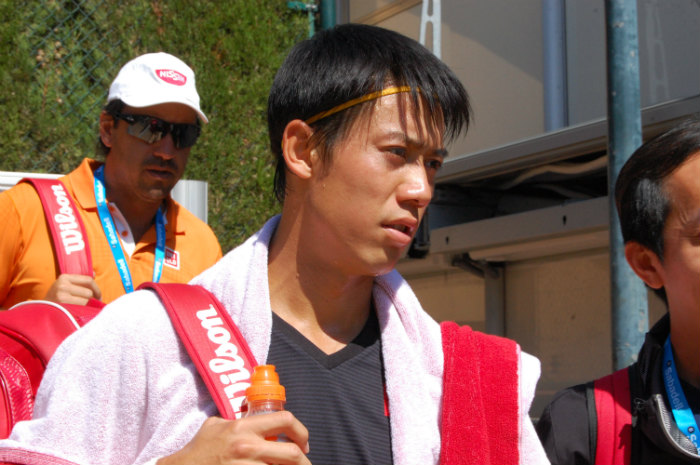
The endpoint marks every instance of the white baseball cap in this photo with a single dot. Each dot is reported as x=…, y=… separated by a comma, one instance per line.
x=156, y=78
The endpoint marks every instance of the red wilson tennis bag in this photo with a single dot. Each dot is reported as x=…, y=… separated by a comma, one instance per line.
x=31, y=331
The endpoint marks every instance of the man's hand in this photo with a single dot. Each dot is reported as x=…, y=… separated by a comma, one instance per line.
x=238, y=442
x=73, y=289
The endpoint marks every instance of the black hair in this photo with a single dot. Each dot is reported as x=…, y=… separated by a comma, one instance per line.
x=640, y=195
x=113, y=108
x=350, y=61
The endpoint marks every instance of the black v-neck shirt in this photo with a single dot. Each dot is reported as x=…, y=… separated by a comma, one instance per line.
x=338, y=397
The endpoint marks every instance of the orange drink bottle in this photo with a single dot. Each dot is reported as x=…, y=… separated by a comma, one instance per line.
x=265, y=394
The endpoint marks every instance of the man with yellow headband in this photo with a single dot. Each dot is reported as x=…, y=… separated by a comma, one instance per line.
x=359, y=118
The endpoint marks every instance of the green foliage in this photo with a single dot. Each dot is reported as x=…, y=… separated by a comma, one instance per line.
x=59, y=58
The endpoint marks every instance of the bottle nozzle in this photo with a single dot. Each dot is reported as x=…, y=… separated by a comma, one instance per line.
x=265, y=384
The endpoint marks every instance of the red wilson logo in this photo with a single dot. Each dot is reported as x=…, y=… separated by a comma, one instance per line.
x=171, y=76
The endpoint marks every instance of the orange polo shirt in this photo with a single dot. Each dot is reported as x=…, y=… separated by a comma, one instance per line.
x=28, y=264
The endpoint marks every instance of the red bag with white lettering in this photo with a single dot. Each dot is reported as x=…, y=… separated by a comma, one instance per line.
x=31, y=331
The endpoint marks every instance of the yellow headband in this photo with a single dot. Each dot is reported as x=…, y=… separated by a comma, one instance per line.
x=355, y=101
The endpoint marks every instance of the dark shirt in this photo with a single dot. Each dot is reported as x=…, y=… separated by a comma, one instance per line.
x=338, y=397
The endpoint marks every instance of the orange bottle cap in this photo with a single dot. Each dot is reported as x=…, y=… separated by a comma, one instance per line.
x=265, y=384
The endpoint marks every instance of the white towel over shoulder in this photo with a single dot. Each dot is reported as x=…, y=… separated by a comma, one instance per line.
x=122, y=390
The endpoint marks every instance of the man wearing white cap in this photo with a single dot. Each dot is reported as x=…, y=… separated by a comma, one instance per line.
x=151, y=121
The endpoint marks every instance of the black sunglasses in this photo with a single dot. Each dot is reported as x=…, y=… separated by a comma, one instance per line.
x=151, y=129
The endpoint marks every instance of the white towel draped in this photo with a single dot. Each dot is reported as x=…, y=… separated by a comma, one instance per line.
x=123, y=391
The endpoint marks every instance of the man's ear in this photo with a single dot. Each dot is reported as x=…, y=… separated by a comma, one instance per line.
x=106, y=128
x=298, y=154
x=645, y=263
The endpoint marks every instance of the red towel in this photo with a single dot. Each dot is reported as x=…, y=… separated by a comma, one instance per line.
x=480, y=398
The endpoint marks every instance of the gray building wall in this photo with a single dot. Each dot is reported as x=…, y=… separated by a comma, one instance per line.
x=557, y=297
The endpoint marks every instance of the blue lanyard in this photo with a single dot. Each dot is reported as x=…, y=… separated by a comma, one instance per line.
x=113, y=240
x=679, y=404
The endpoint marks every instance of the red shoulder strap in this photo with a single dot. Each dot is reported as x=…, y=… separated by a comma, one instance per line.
x=213, y=341
x=480, y=413
x=67, y=230
x=613, y=409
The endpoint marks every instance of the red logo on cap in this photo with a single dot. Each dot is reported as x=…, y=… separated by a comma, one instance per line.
x=171, y=76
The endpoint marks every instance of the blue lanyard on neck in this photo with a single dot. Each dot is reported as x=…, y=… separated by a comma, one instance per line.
x=110, y=231
x=685, y=420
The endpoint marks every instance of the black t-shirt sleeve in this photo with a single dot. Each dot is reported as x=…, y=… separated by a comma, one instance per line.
x=563, y=428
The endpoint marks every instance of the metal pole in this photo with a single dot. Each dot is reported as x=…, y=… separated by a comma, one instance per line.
x=328, y=16
x=494, y=290
x=495, y=299
x=556, y=115
x=630, y=318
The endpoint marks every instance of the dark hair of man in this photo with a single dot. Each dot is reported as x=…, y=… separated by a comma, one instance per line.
x=349, y=61
x=640, y=195
x=114, y=107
